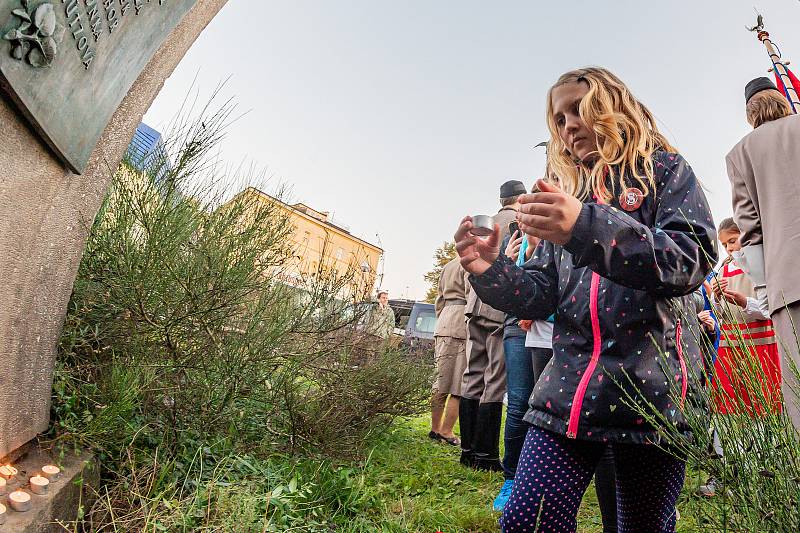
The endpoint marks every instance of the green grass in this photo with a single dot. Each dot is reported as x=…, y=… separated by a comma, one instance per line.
x=417, y=485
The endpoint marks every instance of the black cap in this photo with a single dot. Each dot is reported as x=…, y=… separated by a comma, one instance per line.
x=512, y=188
x=756, y=86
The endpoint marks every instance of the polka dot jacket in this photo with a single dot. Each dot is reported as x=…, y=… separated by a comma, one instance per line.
x=617, y=289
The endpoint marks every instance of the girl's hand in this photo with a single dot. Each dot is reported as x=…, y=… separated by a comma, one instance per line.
x=706, y=320
x=708, y=289
x=476, y=254
x=719, y=286
x=514, y=244
x=533, y=242
x=735, y=297
x=549, y=214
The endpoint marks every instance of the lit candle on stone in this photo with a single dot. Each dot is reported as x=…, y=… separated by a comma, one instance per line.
x=8, y=471
x=39, y=485
x=51, y=472
x=2, y=514
x=20, y=501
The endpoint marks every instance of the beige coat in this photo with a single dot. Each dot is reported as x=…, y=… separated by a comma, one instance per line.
x=474, y=305
x=764, y=169
x=451, y=301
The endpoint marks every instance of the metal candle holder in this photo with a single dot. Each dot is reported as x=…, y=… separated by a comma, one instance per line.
x=482, y=225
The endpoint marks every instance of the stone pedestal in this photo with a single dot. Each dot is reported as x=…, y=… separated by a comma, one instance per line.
x=46, y=212
x=74, y=487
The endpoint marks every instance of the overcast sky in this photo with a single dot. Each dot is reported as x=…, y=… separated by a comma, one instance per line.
x=402, y=117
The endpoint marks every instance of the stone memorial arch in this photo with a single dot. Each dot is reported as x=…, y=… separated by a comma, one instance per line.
x=76, y=78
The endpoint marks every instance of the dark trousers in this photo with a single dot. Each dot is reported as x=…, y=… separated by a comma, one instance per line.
x=521, y=374
x=554, y=472
x=523, y=368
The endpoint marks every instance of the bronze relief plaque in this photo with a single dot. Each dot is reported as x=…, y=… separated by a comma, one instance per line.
x=69, y=63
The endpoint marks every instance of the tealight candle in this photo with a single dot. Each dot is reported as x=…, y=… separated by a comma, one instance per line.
x=39, y=485
x=20, y=501
x=51, y=472
x=482, y=225
x=3, y=486
x=2, y=514
x=8, y=471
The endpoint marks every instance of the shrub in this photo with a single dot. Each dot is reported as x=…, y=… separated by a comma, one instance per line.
x=182, y=352
x=753, y=452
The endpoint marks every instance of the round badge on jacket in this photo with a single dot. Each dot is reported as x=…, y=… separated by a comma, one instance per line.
x=631, y=199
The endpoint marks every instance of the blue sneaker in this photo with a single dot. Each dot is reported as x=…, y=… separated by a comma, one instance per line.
x=503, y=496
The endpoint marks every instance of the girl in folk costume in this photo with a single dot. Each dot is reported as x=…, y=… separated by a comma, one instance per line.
x=627, y=237
x=745, y=325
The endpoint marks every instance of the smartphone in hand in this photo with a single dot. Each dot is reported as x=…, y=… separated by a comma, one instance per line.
x=513, y=227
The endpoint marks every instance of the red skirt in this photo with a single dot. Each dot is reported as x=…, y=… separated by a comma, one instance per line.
x=747, y=382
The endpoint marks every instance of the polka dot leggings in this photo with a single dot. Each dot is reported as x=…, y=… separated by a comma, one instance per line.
x=554, y=472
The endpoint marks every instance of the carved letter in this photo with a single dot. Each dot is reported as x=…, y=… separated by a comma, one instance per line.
x=94, y=18
x=72, y=8
x=79, y=31
x=87, y=58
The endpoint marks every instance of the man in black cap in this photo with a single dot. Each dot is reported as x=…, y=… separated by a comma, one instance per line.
x=764, y=169
x=484, y=384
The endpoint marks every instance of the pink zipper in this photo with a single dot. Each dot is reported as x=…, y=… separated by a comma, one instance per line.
x=684, y=373
x=580, y=393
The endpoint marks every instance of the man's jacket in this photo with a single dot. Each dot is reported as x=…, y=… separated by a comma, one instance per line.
x=764, y=169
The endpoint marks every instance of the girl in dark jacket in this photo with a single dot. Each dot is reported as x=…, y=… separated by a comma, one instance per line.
x=628, y=237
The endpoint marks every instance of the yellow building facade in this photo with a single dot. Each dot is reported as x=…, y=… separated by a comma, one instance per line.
x=321, y=246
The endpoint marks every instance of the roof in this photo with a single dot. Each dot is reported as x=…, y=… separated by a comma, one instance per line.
x=319, y=217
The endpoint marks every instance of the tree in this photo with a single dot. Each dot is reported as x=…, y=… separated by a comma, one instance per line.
x=441, y=257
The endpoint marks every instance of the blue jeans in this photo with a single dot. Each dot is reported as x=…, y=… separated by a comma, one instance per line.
x=523, y=366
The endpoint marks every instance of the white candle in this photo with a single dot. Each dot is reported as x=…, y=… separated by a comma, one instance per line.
x=39, y=485
x=51, y=472
x=2, y=514
x=20, y=501
x=8, y=471
x=3, y=486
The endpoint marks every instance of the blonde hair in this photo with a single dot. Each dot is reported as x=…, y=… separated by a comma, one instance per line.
x=626, y=131
x=766, y=106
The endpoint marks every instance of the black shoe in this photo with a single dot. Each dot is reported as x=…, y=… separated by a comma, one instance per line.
x=468, y=418
x=452, y=441
x=467, y=459
x=487, y=465
x=434, y=436
x=486, y=443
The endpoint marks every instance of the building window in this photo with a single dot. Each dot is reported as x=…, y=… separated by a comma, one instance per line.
x=339, y=254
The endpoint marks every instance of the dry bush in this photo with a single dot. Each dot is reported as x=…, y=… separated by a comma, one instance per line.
x=180, y=337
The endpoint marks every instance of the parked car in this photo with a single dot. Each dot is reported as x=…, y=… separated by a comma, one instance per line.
x=416, y=322
x=402, y=312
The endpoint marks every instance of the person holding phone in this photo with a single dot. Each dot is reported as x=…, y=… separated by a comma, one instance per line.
x=481, y=407
x=520, y=376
